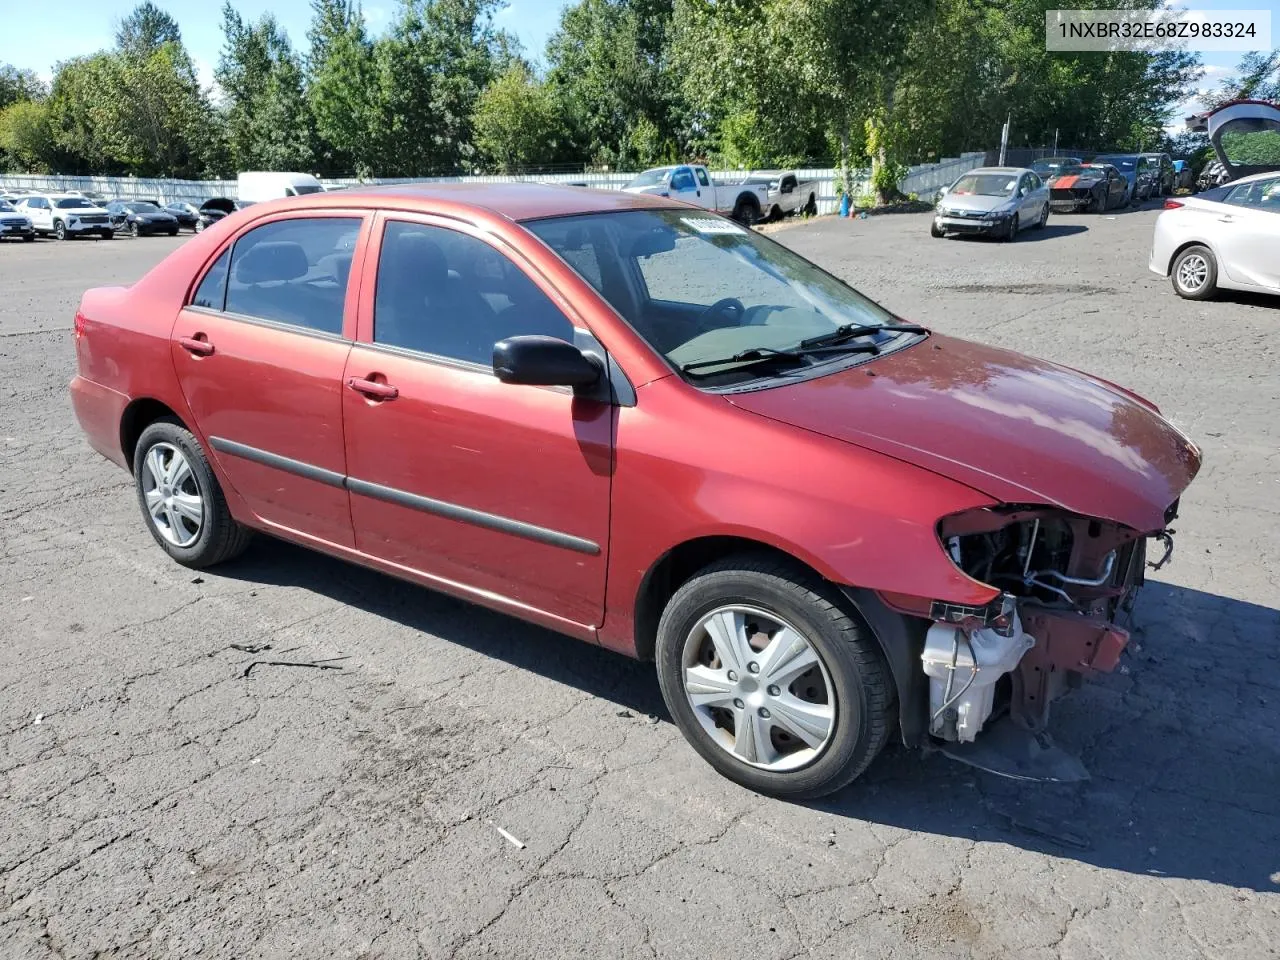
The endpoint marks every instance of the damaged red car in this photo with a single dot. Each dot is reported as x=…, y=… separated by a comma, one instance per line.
x=640, y=424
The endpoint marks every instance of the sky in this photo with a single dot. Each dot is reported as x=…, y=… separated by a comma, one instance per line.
x=36, y=35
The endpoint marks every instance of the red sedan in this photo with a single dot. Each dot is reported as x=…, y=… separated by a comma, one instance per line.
x=645, y=426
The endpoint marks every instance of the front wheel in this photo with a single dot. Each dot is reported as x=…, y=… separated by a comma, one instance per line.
x=1044, y=218
x=1099, y=202
x=28, y=238
x=771, y=679
x=134, y=231
x=1011, y=232
x=181, y=501
x=936, y=231
x=59, y=229
x=199, y=227
x=1195, y=274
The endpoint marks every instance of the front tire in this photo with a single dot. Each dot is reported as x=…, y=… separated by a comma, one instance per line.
x=1195, y=274
x=180, y=498
x=1011, y=233
x=1044, y=218
x=59, y=230
x=134, y=231
x=936, y=231
x=770, y=678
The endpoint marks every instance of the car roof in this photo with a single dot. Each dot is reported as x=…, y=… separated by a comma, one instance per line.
x=1265, y=175
x=513, y=201
x=1009, y=170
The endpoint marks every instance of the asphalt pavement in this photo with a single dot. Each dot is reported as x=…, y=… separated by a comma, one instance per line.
x=168, y=790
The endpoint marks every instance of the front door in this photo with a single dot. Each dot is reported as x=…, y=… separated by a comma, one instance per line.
x=497, y=488
x=260, y=351
x=1249, y=233
x=41, y=213
x=705, y=195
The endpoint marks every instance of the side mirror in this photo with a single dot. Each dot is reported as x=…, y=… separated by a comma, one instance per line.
x=543, y=361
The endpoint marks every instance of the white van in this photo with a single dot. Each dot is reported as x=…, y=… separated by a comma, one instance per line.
x=257, y=186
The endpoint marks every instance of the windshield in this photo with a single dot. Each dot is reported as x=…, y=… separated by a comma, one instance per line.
x=141, y=207
x=651, y=178
x=7, y=207
x=307, y=188
x=1054, y=165
x=985, y=185
x=1124, y=163
x=72, y=203
x=700, y=287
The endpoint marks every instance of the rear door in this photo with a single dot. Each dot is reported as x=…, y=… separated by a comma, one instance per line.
x=501, y=489
x=1249, y=233
x=260, y=350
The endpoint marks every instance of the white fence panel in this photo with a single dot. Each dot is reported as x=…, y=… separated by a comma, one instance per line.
x=922, y=180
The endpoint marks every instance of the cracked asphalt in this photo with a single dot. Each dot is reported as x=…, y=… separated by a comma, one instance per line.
x=156, y=802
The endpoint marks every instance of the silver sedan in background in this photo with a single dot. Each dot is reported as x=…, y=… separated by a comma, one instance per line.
x=997, y=201
x=1227, y=237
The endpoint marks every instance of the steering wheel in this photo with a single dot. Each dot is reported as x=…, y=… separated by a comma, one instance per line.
x=730, y=306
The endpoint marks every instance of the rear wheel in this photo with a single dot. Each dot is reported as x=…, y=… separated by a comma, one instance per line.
x=746, y=212
x=1195, y=273
x=811, y=206
x=771, y=680
x=181, y=501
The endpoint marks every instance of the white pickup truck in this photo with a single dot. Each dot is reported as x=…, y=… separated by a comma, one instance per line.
x=787, y=194
x=745, y=202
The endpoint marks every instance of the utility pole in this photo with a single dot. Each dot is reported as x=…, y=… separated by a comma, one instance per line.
x=1055, y=141
x=1004, y=139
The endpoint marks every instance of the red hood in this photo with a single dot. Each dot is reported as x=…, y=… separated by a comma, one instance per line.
x=1018, y=429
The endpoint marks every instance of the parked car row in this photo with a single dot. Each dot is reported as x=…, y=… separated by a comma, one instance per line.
x=77, y=214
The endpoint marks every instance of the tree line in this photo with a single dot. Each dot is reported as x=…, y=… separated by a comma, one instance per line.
x=622, y=83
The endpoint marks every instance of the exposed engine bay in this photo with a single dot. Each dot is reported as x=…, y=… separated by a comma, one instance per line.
x=1064, y=582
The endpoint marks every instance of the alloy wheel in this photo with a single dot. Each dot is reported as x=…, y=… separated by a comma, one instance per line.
x=172, y=496
x=758, y=688
x=1193, y=273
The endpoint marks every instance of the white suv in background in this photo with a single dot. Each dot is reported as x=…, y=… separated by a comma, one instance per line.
x=66, y=215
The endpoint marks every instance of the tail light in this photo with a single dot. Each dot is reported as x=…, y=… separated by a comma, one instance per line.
x=79, y=324
x=1173, y=204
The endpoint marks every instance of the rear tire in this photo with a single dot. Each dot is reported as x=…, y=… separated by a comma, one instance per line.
x=746, y=212
x=216, y=535
x=1195, y=273
x=811, y=206
x=848, y=688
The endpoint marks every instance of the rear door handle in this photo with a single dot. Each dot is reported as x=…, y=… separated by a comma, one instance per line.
x=1226, y=219
x=199, y=345
x=373, y=389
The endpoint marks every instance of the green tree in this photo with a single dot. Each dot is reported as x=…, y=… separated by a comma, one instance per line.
x=25, y=137
x=265, y=111
x=146, y=30
x=341, y=87
x=17, y=85
x=609, y=72
x=430, y=70
x=83, y=110
x=517, y=123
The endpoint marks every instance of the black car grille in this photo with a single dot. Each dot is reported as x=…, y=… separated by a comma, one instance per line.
x=1072, y=193
x=93, y=218
x=13, y=222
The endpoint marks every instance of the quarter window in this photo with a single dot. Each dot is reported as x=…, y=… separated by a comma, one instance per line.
x=702, y=177
x=212, y=292
x=446, y=293
x=294, y=272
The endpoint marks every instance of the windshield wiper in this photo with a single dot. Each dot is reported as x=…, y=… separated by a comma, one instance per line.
x=768, y=354
x=848, y=331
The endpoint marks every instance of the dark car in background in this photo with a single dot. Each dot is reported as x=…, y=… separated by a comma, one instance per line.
x=189, y=216
x=141, y=218
x=1164, y=176
x=1052, y=166
x=1094, y=187
x=1139, y=174
x=216, y=208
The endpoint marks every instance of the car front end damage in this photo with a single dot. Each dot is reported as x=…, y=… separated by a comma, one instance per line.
x=1066, y=585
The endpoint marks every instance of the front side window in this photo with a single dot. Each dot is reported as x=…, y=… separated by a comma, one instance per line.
x=699, y=288
x=682, y=179
x=294, y=272
x=446, y=293
x=1260, y=195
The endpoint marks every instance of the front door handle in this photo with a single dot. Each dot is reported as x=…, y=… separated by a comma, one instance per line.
x=199, y=345
x=1227, y=219
x=373, y=389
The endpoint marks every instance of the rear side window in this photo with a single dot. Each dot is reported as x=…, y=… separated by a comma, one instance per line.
x=702, y=177
x=212, y=292
x=294, y=272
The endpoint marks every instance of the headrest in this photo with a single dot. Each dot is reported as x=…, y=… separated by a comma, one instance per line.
x=415, y=256
x=271, y=261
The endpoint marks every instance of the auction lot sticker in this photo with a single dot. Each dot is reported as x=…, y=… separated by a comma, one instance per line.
x=710, y=225
x=1153, y=31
